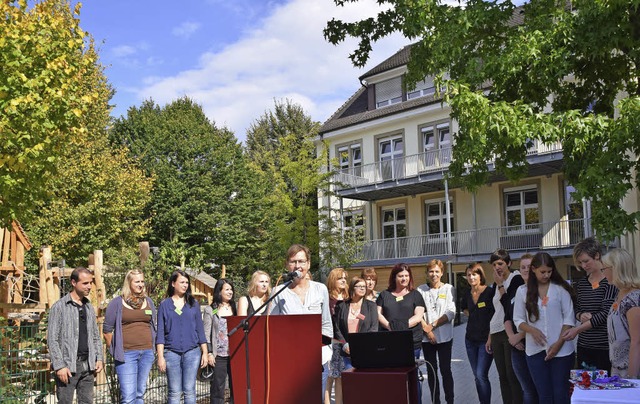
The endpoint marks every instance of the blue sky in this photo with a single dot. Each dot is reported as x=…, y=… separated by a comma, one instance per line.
x=234, y=57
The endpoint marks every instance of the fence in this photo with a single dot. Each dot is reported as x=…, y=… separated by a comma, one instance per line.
x=25, y=375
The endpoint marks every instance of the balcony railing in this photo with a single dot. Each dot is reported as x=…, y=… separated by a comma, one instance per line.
x=412, y=166
x=539, y=236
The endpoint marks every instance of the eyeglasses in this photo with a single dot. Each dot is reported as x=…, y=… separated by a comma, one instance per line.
x=301, y=262
x=360, y=287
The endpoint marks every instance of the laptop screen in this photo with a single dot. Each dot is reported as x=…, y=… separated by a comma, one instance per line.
x=384, y=349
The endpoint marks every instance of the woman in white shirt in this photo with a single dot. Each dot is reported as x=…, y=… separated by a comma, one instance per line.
x=544, y=310
x=437, y=325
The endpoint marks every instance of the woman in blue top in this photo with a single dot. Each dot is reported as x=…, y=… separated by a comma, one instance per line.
x=130, y=332
x=181, y=342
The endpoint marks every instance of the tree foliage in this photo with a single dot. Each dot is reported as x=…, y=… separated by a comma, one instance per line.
x=549, y=71
x=280, y=146
x=44, y=59
x=205, y=204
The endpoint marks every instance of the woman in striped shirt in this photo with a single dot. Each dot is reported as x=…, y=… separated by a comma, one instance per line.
x=594, y=299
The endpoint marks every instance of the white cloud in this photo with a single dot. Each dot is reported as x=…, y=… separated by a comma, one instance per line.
x=186, y=29
x=123, y=51
x=285, y=56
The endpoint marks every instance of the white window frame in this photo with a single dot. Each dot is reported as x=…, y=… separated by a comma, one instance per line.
x=350, y=163
x=522, y=208
x=395, y=222
x=442, y=217
x=388, y=92
x=422, y=89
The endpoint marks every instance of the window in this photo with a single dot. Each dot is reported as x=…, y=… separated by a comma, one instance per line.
x=423, y=88
x=389, y=92
x=436, y=216
x=351, y=159
x=521, y=209
x=391, y=157
x=394, y=223
x=436, y=142
x=576, y=211
x=353, y=224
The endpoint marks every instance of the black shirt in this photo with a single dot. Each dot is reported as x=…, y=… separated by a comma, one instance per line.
x=83, y=336
x=479, y=314
x=400, y=310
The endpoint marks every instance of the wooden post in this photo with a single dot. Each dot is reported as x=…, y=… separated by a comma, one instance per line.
x=48, y=276
x=17, y=296
x=223, y=272
x=145, y=250
x=5, y=247
x=101, y=293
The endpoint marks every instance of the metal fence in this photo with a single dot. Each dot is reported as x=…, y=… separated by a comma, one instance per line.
x=25, y=375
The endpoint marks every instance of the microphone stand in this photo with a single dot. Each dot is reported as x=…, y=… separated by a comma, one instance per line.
x=245, y=326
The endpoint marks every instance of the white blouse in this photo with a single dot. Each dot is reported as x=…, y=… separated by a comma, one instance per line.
x=439, y=302
x=557, y=312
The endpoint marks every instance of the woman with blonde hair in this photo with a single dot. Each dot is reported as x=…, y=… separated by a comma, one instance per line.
x=337, y=286
x=257, y=294
x=130, y=333
x=623, y=323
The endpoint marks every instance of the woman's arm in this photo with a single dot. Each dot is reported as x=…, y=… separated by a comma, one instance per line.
x=243, y=306
x=418, y=314
x=633, y=317
x=382, y=320
x=556, y=346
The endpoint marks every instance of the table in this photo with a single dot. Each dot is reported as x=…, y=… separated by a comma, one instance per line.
x=380, y=386
x=626, y=395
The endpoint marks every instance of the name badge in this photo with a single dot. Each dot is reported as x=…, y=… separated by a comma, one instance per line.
x=481, y=304
x=442, y=296
x=360, y=316
x=399, y=298
x=215, y=311
x=148, y=312
x=177, y=310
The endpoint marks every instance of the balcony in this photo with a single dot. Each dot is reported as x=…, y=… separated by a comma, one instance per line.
x=423, y=172
x=467, y=244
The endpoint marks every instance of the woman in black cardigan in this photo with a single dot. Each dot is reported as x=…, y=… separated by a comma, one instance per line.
x=355, y=314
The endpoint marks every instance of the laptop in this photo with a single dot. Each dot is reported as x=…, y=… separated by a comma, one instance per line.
x=383, y=349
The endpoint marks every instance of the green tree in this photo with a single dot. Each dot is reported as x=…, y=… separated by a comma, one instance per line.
x=205, y=202
x=550, y=71
x=280, y=144
x=44, y=59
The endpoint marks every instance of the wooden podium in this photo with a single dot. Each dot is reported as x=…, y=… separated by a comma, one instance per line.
x=289, y=371
x=380, y=386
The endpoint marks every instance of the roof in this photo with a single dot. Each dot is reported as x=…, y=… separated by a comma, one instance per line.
x=400, y=58
x=202, y=277
x=21, y=234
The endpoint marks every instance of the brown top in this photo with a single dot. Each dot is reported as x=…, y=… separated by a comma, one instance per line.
x=136, y=329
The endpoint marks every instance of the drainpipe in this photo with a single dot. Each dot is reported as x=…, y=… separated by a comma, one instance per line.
x=448, y=210
x=475, y=222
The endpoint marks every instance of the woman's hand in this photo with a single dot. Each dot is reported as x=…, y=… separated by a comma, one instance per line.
x=487, y=346
x=570, y=334
x=432, y=338
x=538, y=336
x=211, y=360
x=553, y=350
x=584, y=317
x=203, y=360
x=162, y=364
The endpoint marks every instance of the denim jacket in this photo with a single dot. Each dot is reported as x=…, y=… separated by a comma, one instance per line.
x=63, y=332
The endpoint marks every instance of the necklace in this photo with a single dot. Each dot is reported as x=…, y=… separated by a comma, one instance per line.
x=357, y=309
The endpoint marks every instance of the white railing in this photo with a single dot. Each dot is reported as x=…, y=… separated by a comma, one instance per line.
x=539, y=236
x=412, y=166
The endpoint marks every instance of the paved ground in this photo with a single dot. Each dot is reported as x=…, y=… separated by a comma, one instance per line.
x=464, y=384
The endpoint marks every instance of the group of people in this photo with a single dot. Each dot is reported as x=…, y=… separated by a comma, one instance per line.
x=526, y=321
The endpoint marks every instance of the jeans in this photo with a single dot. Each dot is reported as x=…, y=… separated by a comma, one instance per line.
x=133, y=374
x=80, y=382
x=443, y=352
x=218, y=381
x=521, y=369
x=325, y=376
x=551, y=377
x=509, y=384
x=182, y=369
x=480, y=362
x=347, y=362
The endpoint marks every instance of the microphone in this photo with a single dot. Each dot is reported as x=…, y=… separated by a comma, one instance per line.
x=291, y=275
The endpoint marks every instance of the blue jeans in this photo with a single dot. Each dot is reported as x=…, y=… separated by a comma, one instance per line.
x=480, y=362
x=551, y=377
x=325, y=376
x=182, y=369
x=347, y=362
x=133, y=374
x=521, y=369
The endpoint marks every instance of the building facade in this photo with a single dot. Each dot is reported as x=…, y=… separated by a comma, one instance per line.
x=391, y=148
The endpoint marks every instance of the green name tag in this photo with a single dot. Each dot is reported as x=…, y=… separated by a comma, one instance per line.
x=215, y=311
x=177, y=310
x=148, y=312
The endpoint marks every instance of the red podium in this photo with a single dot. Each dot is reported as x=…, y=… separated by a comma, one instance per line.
x=380, y=386
x=289, y=371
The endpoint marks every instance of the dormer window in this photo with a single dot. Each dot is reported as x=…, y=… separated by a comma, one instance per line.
x=423, y=88
x=389, y=92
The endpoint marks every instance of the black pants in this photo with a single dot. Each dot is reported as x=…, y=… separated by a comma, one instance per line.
x=594, y=357
x=443, y=352
x=221, y=370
